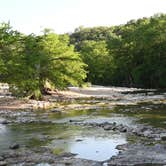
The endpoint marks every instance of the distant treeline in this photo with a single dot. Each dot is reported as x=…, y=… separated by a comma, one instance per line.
x=133, y=54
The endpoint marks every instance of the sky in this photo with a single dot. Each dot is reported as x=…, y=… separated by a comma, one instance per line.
x=32, y=16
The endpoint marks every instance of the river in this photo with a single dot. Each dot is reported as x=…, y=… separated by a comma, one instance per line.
x=84, y=132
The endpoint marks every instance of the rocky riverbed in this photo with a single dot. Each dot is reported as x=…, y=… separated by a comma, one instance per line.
x=127, y=127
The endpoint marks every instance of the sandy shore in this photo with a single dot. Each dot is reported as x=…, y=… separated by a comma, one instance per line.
x=106, y=95
x=12, y=103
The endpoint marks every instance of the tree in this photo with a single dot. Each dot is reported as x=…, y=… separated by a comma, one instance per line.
x=136, y=52
x=32, y=61
x=10, y=46
x=49, y=58
x=95, y=55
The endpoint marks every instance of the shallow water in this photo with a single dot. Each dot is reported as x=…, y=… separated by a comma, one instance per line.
x=151, y=114
x=87, y=142
x=90, y=143
x=98, y=149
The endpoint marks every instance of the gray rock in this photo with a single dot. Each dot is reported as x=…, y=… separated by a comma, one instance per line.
x=14, y=146
x=121, y=147
x=4, y=121
x=157, y=139
x=147, y=133
x=3, y=163
x=56, y=110
x=107, y=127
x=79, y=140
x=163, y=138
x=67, y=154
x=123, y=129
x=139, y=154
x=1, y=158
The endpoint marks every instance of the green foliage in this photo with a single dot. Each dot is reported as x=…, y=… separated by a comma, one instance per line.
x=96, y=56
x=27, y=63
x=133, y=54
x=82, y=34
x=137, y=52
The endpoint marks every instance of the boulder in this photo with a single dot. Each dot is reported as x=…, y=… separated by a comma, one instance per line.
x=163, y=138
x=3, y=163
x=4, y=121
x=107, y=127
x=14, y=146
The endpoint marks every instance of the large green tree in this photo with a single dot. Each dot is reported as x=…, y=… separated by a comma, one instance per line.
x=50, y=59
x=30, y=63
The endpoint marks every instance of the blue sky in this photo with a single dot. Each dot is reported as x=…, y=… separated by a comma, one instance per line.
x=31, y=16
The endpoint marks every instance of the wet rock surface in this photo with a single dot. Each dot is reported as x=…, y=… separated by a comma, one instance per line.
x=129, y=154
x=14, y=146
x=3, y=163
x=4, y=121
x=149, y=132
x=139, y=155
x=27, y=157
x=148, y=147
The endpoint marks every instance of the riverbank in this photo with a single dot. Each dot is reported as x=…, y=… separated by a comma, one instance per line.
x=95, y=97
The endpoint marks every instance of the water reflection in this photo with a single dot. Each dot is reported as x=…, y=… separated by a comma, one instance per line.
x=98, y=149
x=5, y=137
x=90, y=143
x=151, y=114
x=3, y=129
